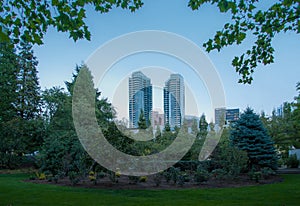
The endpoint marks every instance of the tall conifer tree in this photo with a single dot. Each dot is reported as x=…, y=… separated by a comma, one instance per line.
x=249, y=135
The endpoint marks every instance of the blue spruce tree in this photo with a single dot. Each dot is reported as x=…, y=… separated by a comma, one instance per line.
x=249, y=135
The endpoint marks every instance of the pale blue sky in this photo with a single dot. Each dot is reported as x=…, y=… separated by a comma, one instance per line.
x=272, y=84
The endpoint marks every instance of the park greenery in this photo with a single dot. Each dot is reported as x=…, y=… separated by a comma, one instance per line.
x=28, y=21
x=37, y=129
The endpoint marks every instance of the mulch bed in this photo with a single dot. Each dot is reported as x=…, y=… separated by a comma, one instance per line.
x=124, y=183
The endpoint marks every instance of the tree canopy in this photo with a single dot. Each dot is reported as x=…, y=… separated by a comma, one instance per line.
x=28, y=21
x=263, y=25
x=249, y=134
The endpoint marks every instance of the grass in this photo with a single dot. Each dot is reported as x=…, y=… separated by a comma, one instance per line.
x=13, y=191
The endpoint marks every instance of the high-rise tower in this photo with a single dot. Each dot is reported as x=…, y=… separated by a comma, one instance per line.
x=174, y=101
x=140, y=98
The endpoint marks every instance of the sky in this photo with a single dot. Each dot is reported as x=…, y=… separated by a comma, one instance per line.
x=272, y=84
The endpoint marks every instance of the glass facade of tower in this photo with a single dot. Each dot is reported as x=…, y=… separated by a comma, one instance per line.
x=232, y=115
x=223, y=115
x=174, y=101
x=140, y=98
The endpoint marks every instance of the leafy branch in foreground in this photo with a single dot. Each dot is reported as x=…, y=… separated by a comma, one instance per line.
x=29, y=20
x=282, y=16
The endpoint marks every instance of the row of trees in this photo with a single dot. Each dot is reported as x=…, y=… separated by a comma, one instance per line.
x=34, y=120
x=284, y=126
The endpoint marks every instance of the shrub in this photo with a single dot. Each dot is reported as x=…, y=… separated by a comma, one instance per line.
x=74, y=177
x=186, y=177
x=101, y=175
x=157, y=179
x=255, y=175
x=267, y=172
x=133, y=179
x=181, y=179
x=41, y=176
x=143, y=179
x=118, y=173
x=92, y=176
x=201, y=175
x=174, y=174
x=167, y=176
x=112, y=176
x=292, y=161
x=220, y=174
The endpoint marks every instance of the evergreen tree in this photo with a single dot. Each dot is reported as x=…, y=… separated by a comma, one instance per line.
x=249, y=134
x=62, y=152
x=296, y=119
x=194, y=127
x=167, y=128
x=157, y=132
x=202, y=127
x=8, y=82
x=142, y=121
x=28, y=103
x=10, y=142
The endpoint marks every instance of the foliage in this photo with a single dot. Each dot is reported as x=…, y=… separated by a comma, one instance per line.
x=284, y=127
x=227, y=159
x=157, y=179
x=296, y=118
x=194, y=127
x=267, y=172
x=292, y=161
x=21, y=128
x=28, y=101
x=203, y=125
x=62, y=152
x=114, y=176
x=93, y=177
x=133, y=179
x=143, y=179
x=219, y=174
x=167, y=175
x=248, y=19
x=181, y=179
x=142, y=121
x=74, y=177
x=41, y=176
x=8, y=81
x=28, y=21
x=249, y=134
x=174, y=174
x=201, y=175
x=255, y=175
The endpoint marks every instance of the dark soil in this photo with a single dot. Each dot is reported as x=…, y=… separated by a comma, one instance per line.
x=125, y=183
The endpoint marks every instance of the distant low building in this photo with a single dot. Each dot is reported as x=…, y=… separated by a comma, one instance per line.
x=295, y=152
x=157, y=119
x=232, y=115
x=220, y=115
x=225, y=116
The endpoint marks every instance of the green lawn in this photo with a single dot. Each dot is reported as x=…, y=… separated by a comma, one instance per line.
x=13, y=191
